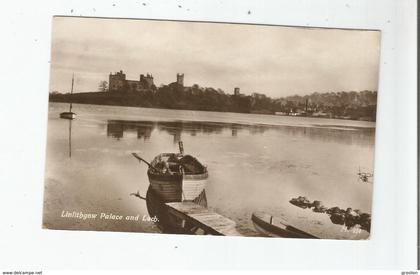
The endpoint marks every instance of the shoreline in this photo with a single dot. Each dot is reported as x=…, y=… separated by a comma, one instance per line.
x=351, y=123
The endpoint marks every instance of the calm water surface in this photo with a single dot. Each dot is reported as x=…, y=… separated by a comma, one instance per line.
x=255, y=162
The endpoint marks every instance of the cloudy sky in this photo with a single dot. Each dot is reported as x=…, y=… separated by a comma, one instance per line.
x=277, y=61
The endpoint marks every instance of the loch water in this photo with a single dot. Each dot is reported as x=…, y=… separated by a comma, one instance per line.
x=255, y=162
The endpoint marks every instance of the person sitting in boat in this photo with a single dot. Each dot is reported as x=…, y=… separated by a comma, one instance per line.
x=163, y=167
x=191, y=165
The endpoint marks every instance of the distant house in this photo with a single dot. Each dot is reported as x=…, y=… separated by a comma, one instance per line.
x=281, y=113
x=321, y=114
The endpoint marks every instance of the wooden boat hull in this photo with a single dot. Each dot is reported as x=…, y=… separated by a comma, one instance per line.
x=174, y=181
x=177, y=188
x=193, y=185
x=167, y=222
x=277, y=227
x=68, y=115
x=168, y=187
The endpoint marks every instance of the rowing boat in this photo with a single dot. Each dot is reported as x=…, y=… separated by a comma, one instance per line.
x=176, y=177
x=277, y=227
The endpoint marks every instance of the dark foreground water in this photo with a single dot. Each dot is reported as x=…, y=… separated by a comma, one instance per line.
x=255, y=162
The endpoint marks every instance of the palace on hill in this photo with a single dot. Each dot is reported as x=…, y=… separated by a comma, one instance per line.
x=119, y=83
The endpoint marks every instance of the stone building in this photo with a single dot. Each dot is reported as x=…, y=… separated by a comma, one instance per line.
x=179, y=83
x=119, y=83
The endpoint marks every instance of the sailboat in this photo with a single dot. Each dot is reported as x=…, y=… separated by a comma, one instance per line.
x=69, y=114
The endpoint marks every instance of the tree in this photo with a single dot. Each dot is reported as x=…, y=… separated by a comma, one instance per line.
x=103, y=86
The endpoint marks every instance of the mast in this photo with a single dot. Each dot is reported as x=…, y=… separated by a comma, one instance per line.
x=71, y=93
x=181, y=147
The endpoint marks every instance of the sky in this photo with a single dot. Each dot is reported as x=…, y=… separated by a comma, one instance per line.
x=275, y=60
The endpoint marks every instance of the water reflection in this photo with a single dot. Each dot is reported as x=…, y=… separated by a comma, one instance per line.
x=240, y=164
x=70, y=121
x=116, y=128
x=144, y=129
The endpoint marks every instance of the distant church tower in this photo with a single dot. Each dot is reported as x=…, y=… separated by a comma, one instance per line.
x=236, y=91
x=180, y=79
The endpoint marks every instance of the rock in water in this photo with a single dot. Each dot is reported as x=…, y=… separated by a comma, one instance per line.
x=317, y=204
x=333, y=210
x=364, y=221
x=301, y=202
x=319, y=207
x=337, y=218
x=348, y=217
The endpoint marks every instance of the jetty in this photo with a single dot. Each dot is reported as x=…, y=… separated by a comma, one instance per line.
x=187, y=217
x=202, y=218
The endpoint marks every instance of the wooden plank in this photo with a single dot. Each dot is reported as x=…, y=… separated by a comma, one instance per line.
x=187, y=207
x=205, y=218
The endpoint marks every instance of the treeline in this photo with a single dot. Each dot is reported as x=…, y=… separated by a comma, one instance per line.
x=350, y=105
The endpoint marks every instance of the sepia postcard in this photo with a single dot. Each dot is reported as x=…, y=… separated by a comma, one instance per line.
x=206, y=128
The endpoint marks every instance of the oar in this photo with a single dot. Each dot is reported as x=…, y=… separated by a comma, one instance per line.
x=137, y=195
x=140, y=159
